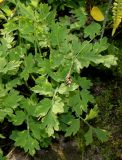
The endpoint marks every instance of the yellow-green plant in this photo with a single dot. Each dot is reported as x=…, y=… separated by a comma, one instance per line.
x=41, y=58
x=117, y=14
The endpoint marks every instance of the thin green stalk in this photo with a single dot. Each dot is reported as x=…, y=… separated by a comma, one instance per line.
x=86, y=122
x=106, y=18
x=28, y=127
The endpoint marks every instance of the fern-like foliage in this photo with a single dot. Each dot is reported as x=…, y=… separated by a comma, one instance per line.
x=117, y=14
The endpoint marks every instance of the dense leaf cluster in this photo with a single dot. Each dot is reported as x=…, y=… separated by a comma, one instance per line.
x=39, y=54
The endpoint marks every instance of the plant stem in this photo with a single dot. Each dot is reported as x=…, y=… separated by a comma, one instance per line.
x=105, y=21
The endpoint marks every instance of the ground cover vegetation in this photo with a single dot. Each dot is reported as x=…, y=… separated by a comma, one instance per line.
x=44, y=48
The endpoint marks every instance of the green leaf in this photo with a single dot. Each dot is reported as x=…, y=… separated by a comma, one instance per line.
x=43, y=107
x=10, y=26
x=76, y=103
x=24, y=140
x=92, y=114
x=58, y=34
x=76, y=45
x=26, y=27
x=60, y=74
x=2, y=16
x=51, y=123
x=73, y=128
x=109, y=60
x=56, y=59
x=35, y=3
x=44, y=66
x=13, y=83
x=48, y=110
x=85, y=56
x=84, y=82
x=101, y=45
x=46, y=89
x=88, y=136
x=65, y=89
x=12, y=99
x=90, y=56
x=65, y=49
x=92, y=30
x=28, y=67
x=17, y=53
x=43, y=87
x=18, y=118
x=86, y=97
x=78, y=65
x=4, y=112
x=28, y=105
x=57, y=105
x=11, y=66
x=1, y=136
x=81, y=18
x=37, y=131
x=3, y=91
x=44, y=13
x=7, y=41
x=26, y=11
x=7, y=10
x=2, y=115
x=1, y=155
x=101, y=134
x=86, y=48
x=66, y=118
x=3, y=63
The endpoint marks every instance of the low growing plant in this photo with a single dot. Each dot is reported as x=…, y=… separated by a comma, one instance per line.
x=41, y=58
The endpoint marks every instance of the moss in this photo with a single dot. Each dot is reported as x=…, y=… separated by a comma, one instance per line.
x=110, y=105
x=116, y=49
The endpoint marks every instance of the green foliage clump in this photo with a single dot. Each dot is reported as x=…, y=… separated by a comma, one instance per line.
x=1, y=156
x=40, y=62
